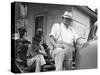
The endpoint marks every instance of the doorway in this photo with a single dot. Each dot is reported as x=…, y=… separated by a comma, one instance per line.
x=40, y=22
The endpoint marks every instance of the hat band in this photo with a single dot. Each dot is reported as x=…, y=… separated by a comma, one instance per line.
x=66, y=16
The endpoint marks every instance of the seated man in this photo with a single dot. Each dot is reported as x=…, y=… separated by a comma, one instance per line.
x=36, y=52
x=21, y=45
x=62, y=37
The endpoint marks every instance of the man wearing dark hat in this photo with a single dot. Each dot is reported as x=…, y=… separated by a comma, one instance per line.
x=62, y=37
x=36, y=51
x=22, y=32
x=21, y=45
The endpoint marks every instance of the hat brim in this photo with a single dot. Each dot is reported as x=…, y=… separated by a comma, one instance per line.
x=64, y=16
x=39, y=30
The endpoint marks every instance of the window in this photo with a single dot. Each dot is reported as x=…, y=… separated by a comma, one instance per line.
x=39, y=22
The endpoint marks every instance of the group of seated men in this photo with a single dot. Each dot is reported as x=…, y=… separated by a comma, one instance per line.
x=31, y=54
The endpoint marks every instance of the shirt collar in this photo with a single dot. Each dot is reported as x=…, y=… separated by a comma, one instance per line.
x=62, y=25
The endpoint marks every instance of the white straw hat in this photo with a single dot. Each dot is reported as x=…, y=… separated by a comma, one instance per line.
x=67, y=15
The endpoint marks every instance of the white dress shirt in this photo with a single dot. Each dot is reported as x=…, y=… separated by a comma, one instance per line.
x=61, y=33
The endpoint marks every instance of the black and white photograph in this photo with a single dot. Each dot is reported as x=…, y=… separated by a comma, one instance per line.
x=53, y=37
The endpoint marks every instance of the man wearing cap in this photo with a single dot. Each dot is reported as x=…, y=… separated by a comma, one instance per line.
x=36, y=51
x=62, y=37
x=21, y=45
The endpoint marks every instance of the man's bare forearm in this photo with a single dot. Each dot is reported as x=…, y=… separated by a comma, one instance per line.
x=54, y=42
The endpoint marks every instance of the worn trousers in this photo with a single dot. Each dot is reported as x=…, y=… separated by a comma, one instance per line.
x=39, y=61
x=60, y=54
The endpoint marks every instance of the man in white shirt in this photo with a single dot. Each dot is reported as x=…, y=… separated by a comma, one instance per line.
x=62, y=37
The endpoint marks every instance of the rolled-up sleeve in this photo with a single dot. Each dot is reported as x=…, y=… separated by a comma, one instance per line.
x=54, y=30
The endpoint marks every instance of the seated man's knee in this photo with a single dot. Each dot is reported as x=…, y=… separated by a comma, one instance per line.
x=41, y=57
x=38, y=60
